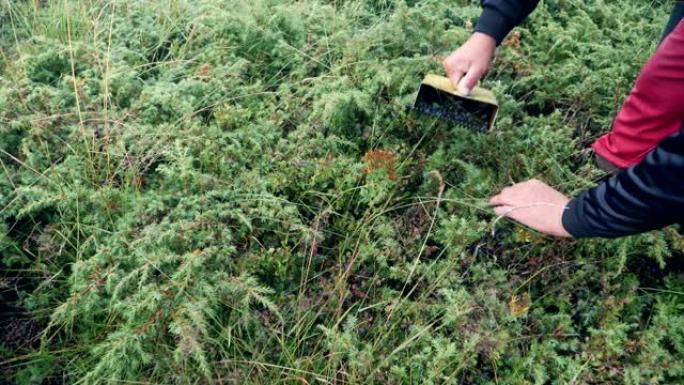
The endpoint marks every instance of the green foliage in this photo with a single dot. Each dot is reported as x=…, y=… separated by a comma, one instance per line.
x=237, y=192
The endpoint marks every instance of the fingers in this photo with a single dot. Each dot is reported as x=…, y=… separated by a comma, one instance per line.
x=455, y=75
x=502, y=198
x=469, y=62
x=470, y=79
x=455, y=67
x=503, y=210
x=464, y=79
x=496, y=200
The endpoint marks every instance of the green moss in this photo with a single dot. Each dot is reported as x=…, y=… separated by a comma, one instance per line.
x=198, y=201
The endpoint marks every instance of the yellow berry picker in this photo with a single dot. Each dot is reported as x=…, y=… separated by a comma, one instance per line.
x=437, y=97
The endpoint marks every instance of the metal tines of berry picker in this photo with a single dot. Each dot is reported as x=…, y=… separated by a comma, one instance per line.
x=437, y=97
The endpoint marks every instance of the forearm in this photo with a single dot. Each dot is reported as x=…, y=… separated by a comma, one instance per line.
x=676, y=16
x=650, y=194
x=653, y=110
x=647, y=196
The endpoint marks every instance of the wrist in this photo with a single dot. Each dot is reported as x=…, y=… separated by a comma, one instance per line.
x=563, y=231
x=484, y=40
x=493, y=23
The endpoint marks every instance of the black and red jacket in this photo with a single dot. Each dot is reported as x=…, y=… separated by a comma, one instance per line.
x=646, y=140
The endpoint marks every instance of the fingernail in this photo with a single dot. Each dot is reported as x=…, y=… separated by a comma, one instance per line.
x=464, y=91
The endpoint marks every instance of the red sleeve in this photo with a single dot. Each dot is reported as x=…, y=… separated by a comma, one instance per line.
x=646, y=137
x=653, y=110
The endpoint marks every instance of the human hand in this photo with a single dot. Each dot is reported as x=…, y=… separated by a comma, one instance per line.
x=469, y=62
x=534, y=204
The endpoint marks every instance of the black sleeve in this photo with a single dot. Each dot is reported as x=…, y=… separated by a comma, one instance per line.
x=499, y=17
x=644, y=197
x=675, y=17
